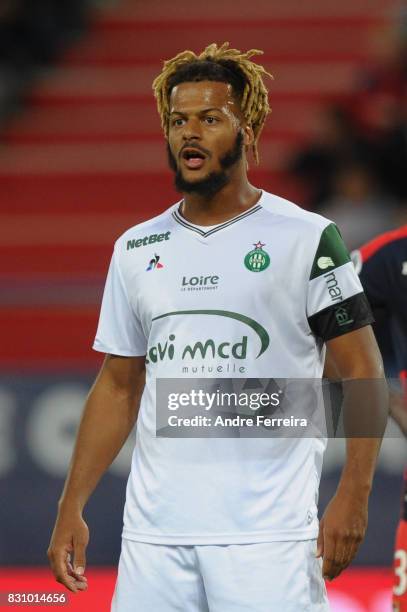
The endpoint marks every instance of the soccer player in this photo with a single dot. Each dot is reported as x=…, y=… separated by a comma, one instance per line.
x=230, y=282
x=382, y=268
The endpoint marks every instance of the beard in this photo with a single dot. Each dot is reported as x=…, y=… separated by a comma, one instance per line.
x=214, y=181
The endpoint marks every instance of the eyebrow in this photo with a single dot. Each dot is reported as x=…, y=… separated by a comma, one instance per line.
x=202, y=112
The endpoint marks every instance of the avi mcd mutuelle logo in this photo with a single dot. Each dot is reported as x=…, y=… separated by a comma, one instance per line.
x=203, y=353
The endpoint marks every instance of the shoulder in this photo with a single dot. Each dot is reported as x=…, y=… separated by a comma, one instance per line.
x=156, y=229
x=278, y=206
x=384, y=245
x=318, y=243
x=382, y=256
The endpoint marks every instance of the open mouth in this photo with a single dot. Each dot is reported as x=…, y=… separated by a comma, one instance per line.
x=193, y=158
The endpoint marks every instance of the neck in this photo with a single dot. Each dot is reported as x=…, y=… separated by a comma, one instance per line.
x=236, y=197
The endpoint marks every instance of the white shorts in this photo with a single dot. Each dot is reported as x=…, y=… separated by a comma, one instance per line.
x=266, y=577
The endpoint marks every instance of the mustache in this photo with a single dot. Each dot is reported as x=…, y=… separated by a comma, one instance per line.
x=228, y=160
x=191, y=145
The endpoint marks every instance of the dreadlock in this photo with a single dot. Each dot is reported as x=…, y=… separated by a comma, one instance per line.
x=218, y=64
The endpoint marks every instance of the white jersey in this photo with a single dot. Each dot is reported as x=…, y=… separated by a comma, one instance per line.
x=254, y=297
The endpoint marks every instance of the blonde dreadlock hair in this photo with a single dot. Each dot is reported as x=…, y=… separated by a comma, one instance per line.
x=236, y=65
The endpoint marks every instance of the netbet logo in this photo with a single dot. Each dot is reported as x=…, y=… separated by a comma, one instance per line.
x=135, y=244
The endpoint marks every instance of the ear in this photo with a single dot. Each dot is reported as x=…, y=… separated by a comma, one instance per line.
x=248, y=135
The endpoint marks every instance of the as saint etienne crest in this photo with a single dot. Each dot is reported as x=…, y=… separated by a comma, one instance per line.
x=257, y=260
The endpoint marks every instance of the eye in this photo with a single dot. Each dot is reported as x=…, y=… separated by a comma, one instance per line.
x=178, y=122
x=211, y=120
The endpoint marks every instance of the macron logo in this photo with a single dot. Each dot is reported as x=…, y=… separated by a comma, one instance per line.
x=325, y=262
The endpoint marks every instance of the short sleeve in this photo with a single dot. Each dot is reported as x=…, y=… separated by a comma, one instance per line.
x=119, y=331
x=336, y=303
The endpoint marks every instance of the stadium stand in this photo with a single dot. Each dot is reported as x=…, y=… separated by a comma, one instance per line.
x=78, y=165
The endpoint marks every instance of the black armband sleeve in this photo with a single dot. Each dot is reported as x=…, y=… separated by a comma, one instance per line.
x=338, y=319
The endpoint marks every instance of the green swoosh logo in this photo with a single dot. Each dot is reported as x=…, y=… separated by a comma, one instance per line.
x=259, y=329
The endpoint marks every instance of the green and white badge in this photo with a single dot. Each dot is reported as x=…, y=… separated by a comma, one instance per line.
x=257, y=260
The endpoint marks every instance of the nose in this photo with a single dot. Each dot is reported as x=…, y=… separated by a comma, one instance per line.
x=192, y=130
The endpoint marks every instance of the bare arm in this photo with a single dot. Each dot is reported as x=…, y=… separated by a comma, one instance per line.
x=109, y=415
x=356, y=358
x=397, y=400
x=398, y=410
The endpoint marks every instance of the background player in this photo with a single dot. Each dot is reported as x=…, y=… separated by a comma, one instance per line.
x=382, y=267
